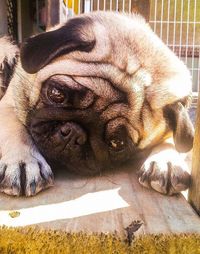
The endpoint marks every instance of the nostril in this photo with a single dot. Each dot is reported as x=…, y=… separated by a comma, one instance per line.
x=65, y=131
x=73, y=134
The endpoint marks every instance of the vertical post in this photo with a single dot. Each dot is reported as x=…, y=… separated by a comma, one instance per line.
x=37, y=14
x=53, y=15
x=194, y=191
x=3, y=18
x=87, y=6
x=19, y=20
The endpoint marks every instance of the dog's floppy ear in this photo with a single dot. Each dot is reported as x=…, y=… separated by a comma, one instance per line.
x=39, y=50
x=181, y=125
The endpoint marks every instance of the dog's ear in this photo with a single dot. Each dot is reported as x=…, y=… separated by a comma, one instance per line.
x=39, y=50
x=181, y=125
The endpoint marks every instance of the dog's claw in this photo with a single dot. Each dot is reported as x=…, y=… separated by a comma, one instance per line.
x=25, y=177
x=2, y=171
x=165, y=174
x=33, y=187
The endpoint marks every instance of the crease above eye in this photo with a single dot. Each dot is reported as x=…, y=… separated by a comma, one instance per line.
x=56, y=92
x=84, y=101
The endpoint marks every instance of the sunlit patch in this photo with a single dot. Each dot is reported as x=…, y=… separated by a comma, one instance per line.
x=141, y=78
x=167, y=155
x=91, y=203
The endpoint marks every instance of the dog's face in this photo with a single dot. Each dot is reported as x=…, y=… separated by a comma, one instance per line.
x=103, y=88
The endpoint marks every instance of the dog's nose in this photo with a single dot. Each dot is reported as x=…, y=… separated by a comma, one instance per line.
x=73, y=134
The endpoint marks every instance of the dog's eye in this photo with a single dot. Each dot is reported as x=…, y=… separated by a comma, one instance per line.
x=117, y=144
x=56, y=95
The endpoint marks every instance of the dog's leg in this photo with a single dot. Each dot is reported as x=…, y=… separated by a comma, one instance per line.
x=165, y=170
x=23, y=170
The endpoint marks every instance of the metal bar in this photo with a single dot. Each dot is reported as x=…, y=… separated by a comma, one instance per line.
x=79, y=6
x=87, y=6
x=123, y=5
x=161, y=19
x=193, y=38
x=91, y=5
x=172, y=22
x=188, y=45
x=129, y=6
x=110, y=5
x=155, y=16
x=117, y=5
x=19, y=20
x=181, y=28
x=174, y=31
x=187, y=29
x=168, y=19
x=104, y=5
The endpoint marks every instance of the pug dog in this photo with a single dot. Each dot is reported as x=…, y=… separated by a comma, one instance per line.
x=90, y=95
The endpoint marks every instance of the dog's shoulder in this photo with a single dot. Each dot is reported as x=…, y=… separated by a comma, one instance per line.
x=9, y=53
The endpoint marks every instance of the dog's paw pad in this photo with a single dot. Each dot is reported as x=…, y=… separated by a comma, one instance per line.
x=167, y=175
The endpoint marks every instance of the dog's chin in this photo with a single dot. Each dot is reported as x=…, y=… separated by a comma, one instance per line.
x=80, y=165
x=84, y=167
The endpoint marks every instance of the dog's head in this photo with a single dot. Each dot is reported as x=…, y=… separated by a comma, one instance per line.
x=103, y=88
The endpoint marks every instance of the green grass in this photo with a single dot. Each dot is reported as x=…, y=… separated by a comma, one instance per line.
x=37, y=241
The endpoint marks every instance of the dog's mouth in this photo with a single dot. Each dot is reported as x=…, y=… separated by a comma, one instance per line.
x=79, y=149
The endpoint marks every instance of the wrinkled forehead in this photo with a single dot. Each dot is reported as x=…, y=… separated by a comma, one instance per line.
x=104, y=79
x=70, y=67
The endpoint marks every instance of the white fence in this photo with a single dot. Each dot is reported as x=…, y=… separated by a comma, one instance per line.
x=177, y=23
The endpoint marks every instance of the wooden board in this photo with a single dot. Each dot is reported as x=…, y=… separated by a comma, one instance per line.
x=108, y=203
x=194, y=192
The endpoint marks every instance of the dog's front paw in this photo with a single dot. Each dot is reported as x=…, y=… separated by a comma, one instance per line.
x=165, y=172
x=26, y=175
